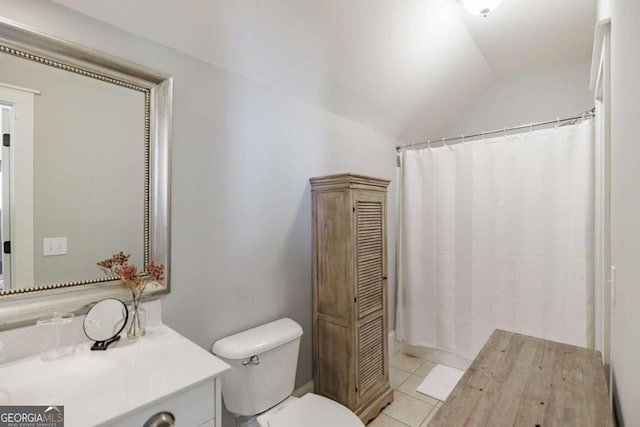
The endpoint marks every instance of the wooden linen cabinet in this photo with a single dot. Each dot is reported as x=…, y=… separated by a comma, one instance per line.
x=350, y=329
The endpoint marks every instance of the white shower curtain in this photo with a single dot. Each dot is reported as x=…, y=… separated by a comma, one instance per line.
x=497, y=234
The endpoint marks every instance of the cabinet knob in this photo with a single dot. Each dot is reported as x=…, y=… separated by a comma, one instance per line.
x=163, y=419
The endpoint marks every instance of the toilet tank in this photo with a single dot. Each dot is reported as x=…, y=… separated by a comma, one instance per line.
x=252, y=387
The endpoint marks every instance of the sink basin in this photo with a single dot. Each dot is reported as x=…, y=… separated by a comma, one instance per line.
x=47, y=382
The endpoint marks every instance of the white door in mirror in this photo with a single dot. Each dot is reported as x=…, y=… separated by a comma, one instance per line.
x=18, y=181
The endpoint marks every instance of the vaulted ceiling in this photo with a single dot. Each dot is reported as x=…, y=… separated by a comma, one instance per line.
x=404, y=67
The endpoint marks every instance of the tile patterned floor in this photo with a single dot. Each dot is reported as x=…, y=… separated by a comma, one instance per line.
x=409, y=408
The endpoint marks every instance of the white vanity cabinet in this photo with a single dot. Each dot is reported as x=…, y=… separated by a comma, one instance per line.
x=125, y=385
x=194, y=406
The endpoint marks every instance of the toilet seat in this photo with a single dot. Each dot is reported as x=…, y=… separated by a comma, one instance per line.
x=313, y=410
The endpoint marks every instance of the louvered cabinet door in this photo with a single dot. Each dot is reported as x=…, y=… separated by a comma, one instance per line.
x=370, y=288
x=370, y=253
x=371, y=366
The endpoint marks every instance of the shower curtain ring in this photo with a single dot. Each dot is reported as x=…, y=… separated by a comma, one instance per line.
x=505, y=132
x=462, y=136
x=557, y=122
x=429, y=144
x=483, y=137
x=531, y=128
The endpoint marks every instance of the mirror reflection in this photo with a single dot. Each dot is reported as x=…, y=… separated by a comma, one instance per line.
x=73, y=173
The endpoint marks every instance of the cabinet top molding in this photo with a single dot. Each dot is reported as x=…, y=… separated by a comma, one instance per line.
x=347, y=180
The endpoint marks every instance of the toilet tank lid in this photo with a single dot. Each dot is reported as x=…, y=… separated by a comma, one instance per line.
x=257, y=340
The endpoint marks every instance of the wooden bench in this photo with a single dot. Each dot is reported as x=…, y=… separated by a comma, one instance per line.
x=518, y=380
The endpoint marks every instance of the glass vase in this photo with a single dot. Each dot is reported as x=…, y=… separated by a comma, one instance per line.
x=137, y=327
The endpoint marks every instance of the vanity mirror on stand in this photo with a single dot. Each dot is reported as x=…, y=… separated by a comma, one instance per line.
x=85, y=167
x=104, y=322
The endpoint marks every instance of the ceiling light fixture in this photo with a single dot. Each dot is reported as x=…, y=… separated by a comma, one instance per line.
x=480, y=7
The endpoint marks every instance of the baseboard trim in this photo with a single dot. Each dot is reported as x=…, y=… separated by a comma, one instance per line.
x=434, y=355
x=303, y=389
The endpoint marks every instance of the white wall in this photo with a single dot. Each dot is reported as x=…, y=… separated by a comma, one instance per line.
x=625, y=205
x=539, y=94
x=242, y=157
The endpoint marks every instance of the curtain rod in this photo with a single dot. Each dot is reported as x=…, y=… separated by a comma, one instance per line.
x=588, y=113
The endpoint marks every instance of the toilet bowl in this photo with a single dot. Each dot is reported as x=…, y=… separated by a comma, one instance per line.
x=311, y=410
x=263, y=366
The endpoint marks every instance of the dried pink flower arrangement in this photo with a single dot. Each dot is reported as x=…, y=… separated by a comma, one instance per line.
x=118, y=265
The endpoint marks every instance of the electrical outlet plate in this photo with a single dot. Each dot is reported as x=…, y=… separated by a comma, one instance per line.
x=54, y=246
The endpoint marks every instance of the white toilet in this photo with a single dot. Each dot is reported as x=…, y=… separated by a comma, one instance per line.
x=263, y=369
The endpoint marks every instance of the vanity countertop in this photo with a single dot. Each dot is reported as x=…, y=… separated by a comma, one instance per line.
x=100, y=386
